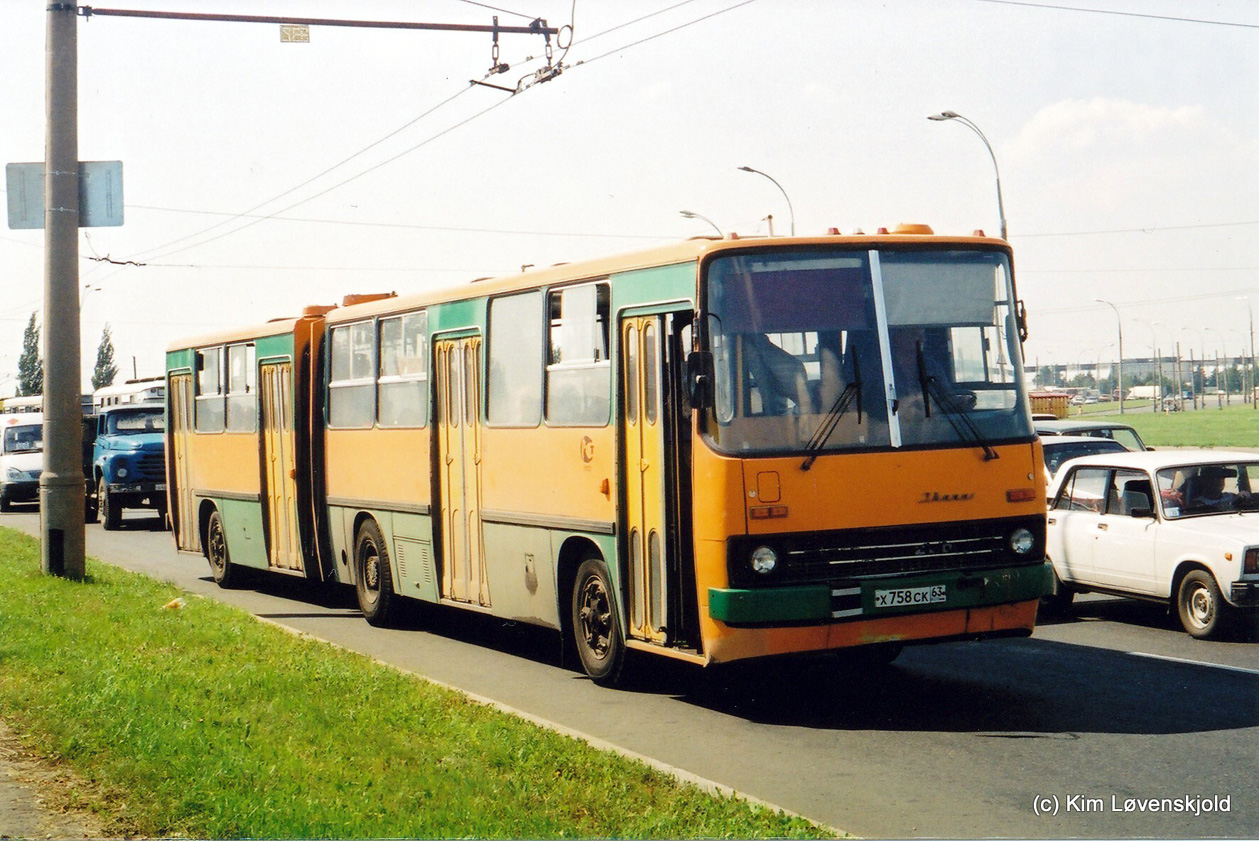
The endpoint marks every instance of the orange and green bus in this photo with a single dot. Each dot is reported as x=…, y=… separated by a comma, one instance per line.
x=712, y=450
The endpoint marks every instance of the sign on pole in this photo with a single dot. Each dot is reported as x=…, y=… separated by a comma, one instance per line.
x=100, y=194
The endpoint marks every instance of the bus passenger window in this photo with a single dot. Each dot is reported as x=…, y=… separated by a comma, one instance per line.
x=515, y=360
x=403, y=380
x=210, y=411
x=351, y=389
x=242, y=394
x=578, y=373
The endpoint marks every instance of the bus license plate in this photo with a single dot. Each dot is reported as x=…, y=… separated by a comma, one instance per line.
x=911, y=596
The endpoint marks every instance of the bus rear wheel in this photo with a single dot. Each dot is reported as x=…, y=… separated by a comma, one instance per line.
x=596, y=631
x=373, y=581
x=221, y=567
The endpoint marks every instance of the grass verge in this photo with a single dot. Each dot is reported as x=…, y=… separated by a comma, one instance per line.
x=201, y=721
x=1232, y=426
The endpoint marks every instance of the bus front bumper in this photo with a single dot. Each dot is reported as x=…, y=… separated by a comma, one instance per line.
x=879, y=597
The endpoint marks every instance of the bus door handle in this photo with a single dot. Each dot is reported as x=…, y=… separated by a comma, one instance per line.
x=1103, y=526
x=643, y=465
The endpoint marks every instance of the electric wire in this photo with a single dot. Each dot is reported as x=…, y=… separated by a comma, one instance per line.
x=1171, y=18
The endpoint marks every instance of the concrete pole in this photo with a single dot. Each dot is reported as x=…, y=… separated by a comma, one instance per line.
x=61, y=487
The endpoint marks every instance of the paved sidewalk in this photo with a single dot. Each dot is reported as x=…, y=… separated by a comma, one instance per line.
x=27, y=797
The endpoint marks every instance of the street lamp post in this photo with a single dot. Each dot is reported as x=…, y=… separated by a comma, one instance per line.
x=1119, y=322
x=686, y=214
x=944, y=116
x=790, y=209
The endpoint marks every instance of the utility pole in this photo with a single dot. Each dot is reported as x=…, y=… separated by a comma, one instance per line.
x=61, y=488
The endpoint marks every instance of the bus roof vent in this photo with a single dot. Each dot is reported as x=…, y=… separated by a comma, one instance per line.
x=351, y=300
x=914, y=229
x=317, y=310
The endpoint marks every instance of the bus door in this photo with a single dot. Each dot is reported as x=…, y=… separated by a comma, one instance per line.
x=279, y=467
x=183, y=506
x=458, y=368
x=655, y=468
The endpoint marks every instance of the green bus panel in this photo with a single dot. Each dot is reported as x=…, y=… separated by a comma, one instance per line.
x=181, y=359
x=273, y=346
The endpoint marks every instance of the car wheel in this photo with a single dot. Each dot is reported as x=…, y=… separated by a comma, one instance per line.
x=5, y=505
x=1202, y=609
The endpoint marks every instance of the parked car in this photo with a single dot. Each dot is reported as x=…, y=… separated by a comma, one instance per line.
x=129, y=461
x=1063, y=448
x=1176, y=527
x=1120, y=432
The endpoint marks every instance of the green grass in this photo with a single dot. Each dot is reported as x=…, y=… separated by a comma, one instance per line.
x=202, y=721
x=1232, y=426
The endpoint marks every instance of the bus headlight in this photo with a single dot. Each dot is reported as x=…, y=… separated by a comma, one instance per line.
x=763, y=560
x=122, y=473
x=1022, y=541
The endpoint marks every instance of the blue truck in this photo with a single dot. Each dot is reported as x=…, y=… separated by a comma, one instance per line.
x=129, y=462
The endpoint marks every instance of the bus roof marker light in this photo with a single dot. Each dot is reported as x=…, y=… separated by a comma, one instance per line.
x=882, y=230
x=834, y=232
x=914, y=229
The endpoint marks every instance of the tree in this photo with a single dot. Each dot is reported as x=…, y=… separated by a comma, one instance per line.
x=105, y=371
x=30, y=365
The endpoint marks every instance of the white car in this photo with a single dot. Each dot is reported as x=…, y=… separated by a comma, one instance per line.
x=1177, y=527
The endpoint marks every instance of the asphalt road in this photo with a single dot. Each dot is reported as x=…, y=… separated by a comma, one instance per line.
x=1070, y=733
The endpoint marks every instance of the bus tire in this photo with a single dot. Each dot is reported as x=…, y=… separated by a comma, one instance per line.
x=373, y=579
x=596, y=632
x=108, y=511
x=1058, y=601
x=225, y=573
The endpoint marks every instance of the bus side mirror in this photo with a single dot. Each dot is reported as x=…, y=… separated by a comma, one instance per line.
x=699, y=379
x=1021, y=319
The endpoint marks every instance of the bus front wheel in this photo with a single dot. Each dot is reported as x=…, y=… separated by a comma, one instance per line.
x=373, y=581
x=595, y=628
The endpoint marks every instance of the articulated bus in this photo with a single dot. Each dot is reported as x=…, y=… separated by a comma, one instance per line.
x=712, y=451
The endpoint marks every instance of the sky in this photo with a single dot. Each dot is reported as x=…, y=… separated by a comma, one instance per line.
x=261, y=176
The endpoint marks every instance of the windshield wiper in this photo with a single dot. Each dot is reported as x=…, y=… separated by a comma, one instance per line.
x=851, y=392
x=957, y=416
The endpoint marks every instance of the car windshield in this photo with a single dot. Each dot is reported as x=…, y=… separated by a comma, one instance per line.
x=135, y=423
x=1204, y=489
x=827, y=349
x=1125, y=436
x=24, y=439
x=1057, y=453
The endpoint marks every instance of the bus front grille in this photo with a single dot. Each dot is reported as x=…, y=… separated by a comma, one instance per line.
x=834, y=556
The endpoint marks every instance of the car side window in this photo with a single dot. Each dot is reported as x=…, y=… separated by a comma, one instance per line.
x=1130, y=491
x=1084, y=490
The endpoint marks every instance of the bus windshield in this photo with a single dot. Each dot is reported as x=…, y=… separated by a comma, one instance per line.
x=829, y=349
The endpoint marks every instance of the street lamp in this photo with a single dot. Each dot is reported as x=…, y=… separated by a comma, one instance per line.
x=1119, y=322
x=686, y=214
x=944, y=116
x=1201, y=373
x=790, y=209
x=1250, y=393
x=1156, y=360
